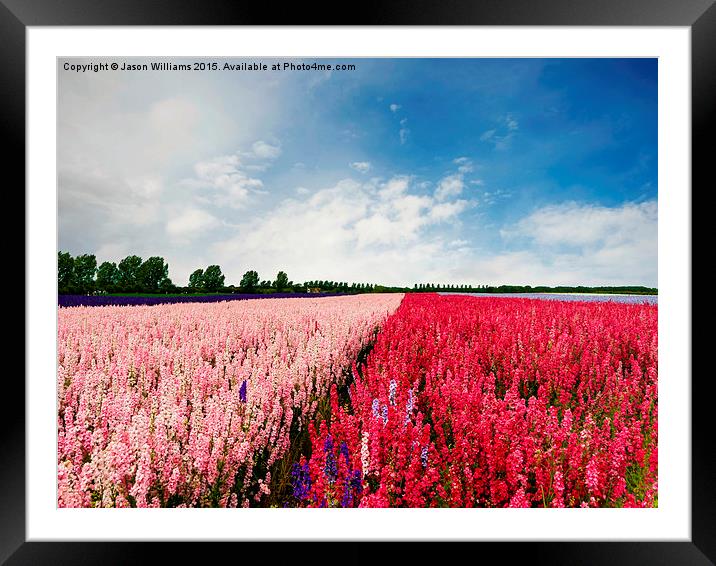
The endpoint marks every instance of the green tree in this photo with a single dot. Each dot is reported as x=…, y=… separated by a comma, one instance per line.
x=166, y=286
x=196, y=279
x=84, y=270
x=65, y=269
x=281, y=280
x=213, y=278
x=128, y=272
x=250, y=280
x=107, y=276
x=151, y=273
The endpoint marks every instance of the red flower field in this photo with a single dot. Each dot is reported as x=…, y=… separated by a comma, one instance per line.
x=468, y=402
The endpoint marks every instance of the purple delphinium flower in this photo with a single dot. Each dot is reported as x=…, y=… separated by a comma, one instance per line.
x=330, y=469
x=424, y=457
x=344, y=451
x=347, y=495
x=242, y=391
x=376, y=408
x=357, y=482
x=385, y=414
x=391, y=391
x=301, y=480
x=353, y=483
x=409, y=406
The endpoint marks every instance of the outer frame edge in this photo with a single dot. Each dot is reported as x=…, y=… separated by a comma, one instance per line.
x=702, y=549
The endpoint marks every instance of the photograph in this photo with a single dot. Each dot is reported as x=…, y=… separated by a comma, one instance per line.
x=367, y=282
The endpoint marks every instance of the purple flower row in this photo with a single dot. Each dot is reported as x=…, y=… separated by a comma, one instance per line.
x=114, y=300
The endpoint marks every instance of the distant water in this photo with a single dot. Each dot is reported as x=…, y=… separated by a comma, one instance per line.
x=651, y=299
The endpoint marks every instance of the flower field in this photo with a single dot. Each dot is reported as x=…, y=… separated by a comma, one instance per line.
x=419, y=400
x=495, y=402
x=192, y=404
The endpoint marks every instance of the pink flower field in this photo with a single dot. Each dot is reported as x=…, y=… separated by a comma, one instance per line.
x=192, y=404
x=359, y=401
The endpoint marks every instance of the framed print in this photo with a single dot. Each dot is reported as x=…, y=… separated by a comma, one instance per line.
x=421, y=276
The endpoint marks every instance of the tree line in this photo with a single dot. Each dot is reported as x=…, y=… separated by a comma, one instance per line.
x=82, y=275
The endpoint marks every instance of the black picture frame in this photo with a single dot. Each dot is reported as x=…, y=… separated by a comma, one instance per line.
x=16, y=15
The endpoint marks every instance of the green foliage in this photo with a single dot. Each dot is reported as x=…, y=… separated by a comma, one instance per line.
x=166, y=286
x=85, y=267
x=250, y=281
x=196, y=279
x=213, y=278
x=281, y=281
x=107, y=277
x=129, y=273
x=152, y=273
x=132, y=275
x=65, y=268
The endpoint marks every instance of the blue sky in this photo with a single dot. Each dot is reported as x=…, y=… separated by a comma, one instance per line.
x=497, y=171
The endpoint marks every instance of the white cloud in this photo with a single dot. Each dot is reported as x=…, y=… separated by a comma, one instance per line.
x=394, y=188
x=449, y=186
x=404, y=131
x=111, y=163
x=565, y=244
x=501, y=136
x=227, y=178
x=447, y=210
x=361, y=166
x=175, y=117
x=149, y=186
x=491, y=197
x=511, y=123
x=589, y=226
x=112, y=252
x=395, y=107
x=90, y=198
x=464, y=164
x=373, y=231
x=263, y=150
x=190, y=222
x=584, y=244
x=227, y=184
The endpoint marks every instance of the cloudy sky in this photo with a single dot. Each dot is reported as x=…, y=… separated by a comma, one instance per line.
x=402, y=171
